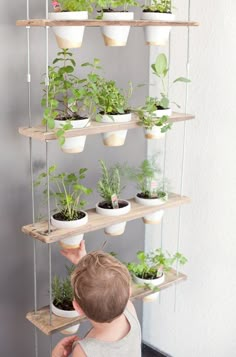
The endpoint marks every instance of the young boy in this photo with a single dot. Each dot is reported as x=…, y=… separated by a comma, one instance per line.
x=101, y=292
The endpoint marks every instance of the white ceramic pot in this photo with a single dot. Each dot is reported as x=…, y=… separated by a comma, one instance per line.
x=153, y=218
x=115, y=229
x=73, y=241
x=155, y=131
x=157, y=35
x=116, y=35
x=76, y=144
x=68, y=314
x=68, y=36
x=115, y=138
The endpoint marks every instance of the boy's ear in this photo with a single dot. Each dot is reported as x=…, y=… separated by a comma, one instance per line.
x=77, y=307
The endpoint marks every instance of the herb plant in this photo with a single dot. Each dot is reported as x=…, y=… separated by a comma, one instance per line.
x=147, y=178
x=152, y=265
x=62, y=291
x=162, y=6
x=108, y=5
x=105, y=94
x=73, y=5
x=66, y=189
x=110, y=183
x=67, y=96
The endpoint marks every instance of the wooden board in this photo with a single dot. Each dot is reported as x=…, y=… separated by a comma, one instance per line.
x=39, y=230
x=39, y=132
x=98, y=23
x=41, y=319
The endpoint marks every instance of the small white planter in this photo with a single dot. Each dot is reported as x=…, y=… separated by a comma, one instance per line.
x=115, y=138
x=76, y=144
x=116, y=35
x=68, y=36
x=157, y=35
x=67, y=314
x=155, y=132
x=115, y=229
x=73, y=241
x=154, y=282
x=153, y=218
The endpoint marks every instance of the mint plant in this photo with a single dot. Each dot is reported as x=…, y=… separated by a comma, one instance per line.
x=73, y=5
x=152, y=265
x=62, y=291
x=162, y=6
x=66, y=189
x=67, y=96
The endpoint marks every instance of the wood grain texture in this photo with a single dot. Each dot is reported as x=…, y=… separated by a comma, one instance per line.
x=41, y=319
x=95, y=221
x=99, y=23
x=39, y=132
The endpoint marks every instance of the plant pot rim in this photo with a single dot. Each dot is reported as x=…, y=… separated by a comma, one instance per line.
x=72, y=220
x=153, y=198
x=62, y=313
x=154, y=282
x=110, y=209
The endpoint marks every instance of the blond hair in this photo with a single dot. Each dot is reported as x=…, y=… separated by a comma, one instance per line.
x=101, y=286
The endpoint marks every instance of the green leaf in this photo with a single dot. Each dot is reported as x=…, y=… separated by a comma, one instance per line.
x=182, y=79
x=51, y=123
x=161, y=65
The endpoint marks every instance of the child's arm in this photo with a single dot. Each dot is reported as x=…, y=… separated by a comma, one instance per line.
x=64, y=347
x=74, y=255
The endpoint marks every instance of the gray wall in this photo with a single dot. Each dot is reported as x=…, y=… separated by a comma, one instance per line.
x=16, y=272
x=203, y=323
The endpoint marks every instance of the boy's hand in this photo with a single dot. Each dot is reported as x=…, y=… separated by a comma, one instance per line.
x=74, y=255
x=64, y=347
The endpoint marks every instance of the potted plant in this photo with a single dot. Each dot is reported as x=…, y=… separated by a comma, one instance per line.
x=152, y=190
x=115, y=35
x=64, y=101
x=66, y=189
x=154, y=115
x=157, y=10
x=151, y=268
x=111, y=103
x=109, y=188
x=62, y=304
x=70, y=36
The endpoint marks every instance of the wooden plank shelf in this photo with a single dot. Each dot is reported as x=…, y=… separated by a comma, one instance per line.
x=41, y=319
x=99, y=23
x=96, y=221
x=40, y=133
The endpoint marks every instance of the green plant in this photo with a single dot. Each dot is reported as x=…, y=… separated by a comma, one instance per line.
x=105, y=5
x=152, y=265
x=147, y=178
x=65, y=98
x=62, y=291
x=105, y=94
x=160, y=69
x=147, y=116
x=73, y=5
x=66, y=189
x=163, y=6
x=110, y=183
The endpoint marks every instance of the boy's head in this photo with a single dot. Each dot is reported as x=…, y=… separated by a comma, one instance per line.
x=101, y=286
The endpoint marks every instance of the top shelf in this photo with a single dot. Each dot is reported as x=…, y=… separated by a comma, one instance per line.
x=99, y=23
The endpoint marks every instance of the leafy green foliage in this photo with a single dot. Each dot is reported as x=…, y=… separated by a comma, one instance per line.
x=67, y=96
x=163, y=6
x=113, y=4
x=66, y=189
x=147, y=116
x=62, y=291
x=144, y=176
x=152, y=265
x=109, y=182
x=76, y=5
x=104, y=94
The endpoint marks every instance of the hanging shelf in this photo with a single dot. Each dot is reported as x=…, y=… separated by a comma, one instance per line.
x=39, y=230
x=41, y=318
x=99, y=23
x=40, y=133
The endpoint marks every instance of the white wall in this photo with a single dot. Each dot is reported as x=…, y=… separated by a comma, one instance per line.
x=204, y=322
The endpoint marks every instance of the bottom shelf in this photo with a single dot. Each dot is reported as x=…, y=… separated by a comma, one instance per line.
x=41, y=319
